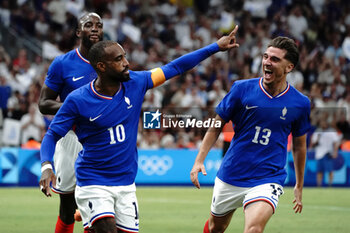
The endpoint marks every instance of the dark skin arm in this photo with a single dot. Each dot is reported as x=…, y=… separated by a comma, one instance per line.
x=48, y=103
x=46, y=178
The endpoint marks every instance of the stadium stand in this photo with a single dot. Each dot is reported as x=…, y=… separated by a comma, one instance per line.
x=154, y=32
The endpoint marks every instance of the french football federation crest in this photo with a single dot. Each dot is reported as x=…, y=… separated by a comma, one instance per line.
x=127, y=101
x=284, y=112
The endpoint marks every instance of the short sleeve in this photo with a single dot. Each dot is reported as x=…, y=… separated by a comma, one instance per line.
x=230, y=103
x=302, y=125
x=143, y=79
x=54, y=76
x=65, y=117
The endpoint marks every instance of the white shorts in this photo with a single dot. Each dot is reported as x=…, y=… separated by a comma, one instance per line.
x=227, y=198
x=66, y=152
x=97, y=201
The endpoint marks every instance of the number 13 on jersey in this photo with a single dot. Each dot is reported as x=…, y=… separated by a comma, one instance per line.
x=261, y=136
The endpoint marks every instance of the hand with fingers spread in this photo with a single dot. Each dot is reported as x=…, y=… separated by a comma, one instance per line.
x=298, y=205
x=47, y=177
x=228, y=42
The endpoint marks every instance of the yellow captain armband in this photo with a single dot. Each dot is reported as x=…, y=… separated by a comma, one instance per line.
x=157, y=77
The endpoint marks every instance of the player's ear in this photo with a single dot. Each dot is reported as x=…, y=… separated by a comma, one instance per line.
x=101, y=66
x=78, y=33
x=289, y=67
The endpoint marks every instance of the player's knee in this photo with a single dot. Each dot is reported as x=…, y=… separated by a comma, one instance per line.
x=254, y=229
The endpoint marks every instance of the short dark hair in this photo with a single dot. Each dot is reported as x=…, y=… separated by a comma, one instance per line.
x=97, y=52
x=289, y=45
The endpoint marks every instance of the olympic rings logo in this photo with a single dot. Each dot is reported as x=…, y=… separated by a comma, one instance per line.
x=155, y=164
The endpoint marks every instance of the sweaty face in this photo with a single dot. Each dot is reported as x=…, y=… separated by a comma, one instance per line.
x=275, y=66
x=116, y=64
x=91, y=30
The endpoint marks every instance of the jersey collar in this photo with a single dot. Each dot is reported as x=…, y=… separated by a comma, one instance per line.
x=81, y=57
x=106, y=97
x=270, y=96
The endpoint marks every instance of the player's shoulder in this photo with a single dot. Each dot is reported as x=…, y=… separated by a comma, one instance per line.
x=137, y=77
x=67, y=57
x=80, y=93
x=134, y=75
x=299, y=97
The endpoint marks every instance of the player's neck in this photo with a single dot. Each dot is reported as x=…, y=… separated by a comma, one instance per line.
x=275, y=88
x=84, y=51
x=108, y=89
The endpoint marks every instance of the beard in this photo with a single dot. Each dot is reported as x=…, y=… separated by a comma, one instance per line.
x=85, y=40
x=123, y=77
x=118, y=76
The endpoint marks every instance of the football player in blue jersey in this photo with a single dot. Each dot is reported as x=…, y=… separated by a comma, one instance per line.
x=106, y=115
x=264, y=112
x=65, y=74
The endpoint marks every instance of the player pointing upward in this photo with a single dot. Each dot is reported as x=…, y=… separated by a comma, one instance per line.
x=106, y=114
x=264, y=111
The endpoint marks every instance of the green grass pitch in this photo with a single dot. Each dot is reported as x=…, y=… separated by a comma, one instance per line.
x=183, y=210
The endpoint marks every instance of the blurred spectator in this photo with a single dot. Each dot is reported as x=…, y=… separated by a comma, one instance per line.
x=192, y=104
x=57, y=8
x=165, y=30
x=21, y=62
x=138, y=55
x=344, y=103
x=167, y=140
x=216, y=95
x=32, y=125
x=297, y=23
x=5, y=61
x=5, y=13
x=16, y=106
x=41, y=26
x=296, y=79
x=5, y=93
x=153, y=99
x=334, y=51
x=75, y=7
x=110, y=26
x=149, y=140
x=325, y=140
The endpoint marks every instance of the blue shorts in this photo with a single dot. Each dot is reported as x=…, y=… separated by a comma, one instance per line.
x=325, y=164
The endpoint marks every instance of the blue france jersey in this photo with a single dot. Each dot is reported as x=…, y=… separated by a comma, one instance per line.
x=107, y=128
x=258, y=151
x=69, y=72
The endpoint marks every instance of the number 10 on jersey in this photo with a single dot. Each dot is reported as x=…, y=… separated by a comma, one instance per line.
x=117, y=133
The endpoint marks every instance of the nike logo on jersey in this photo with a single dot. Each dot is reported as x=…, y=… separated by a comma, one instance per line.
x=250, y=107
x=76, y=79
x=92, y=119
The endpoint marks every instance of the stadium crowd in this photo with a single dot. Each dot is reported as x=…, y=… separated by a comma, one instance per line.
x=157, y=31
